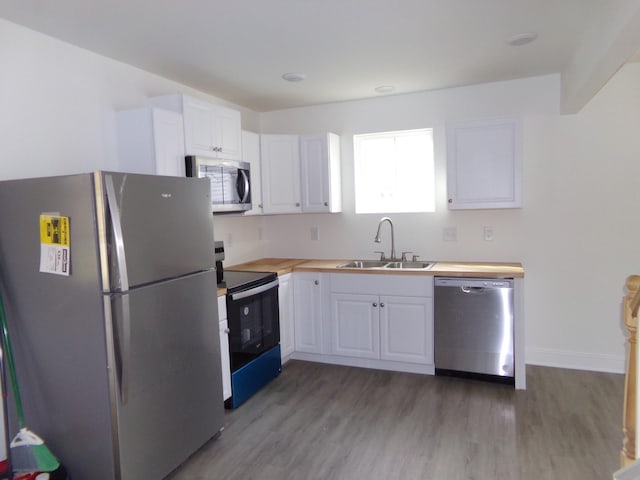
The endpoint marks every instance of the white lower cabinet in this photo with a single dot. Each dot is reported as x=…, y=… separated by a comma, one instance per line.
x=406, y=329
x=365, y=320
x=382, y=317
x=285, y=298
x=382, y=327
x=308, y=299
x=224, y=347
x=355, y=325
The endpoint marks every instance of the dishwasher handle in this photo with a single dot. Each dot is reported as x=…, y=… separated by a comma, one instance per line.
x=473, y=284
x=473, y=290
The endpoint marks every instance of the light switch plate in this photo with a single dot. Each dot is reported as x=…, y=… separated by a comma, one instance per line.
x=488, y=234
x=315, y=235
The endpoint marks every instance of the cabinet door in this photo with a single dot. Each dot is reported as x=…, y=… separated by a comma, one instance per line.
x=355, y=325
x=251, y=154
x=199, y=127
x=484, y=164
x=285, y=297
x=308, y=329
x=320, y=173
x=227, y=134
x=168, y=135
x=406, y=329
x=224, y=348
x=314, y=173
x=280, y=157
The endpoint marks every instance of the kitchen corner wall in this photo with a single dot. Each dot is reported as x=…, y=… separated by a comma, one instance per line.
x=578, y=234
x=57, y=115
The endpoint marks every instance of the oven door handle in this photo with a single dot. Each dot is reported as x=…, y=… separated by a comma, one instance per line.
x=254, y=291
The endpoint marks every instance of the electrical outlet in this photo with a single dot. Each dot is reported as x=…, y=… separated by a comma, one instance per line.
x=229, y=240
x=450, y=234
x=488, y=234
x=314, y=233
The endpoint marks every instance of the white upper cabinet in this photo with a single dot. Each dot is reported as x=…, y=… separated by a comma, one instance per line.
x=320, y=173
x=484, y=164
x=251, y=154
x=301, y=173
x=209, y=130
x=151, y=141
x=280, y=156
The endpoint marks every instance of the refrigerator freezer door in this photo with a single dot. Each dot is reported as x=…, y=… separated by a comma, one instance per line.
x=166, y=226
x=57, y=325
x=168, y=355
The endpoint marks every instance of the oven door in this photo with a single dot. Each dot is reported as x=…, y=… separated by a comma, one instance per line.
x=254, y=322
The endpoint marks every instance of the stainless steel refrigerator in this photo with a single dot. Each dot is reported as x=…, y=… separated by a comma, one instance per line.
x=109, y=286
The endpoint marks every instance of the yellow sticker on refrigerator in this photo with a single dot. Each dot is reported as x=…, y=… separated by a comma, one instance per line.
x=55, y=244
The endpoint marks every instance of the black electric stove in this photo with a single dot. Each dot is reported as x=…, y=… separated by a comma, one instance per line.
x=235, y=280
x=254, y=331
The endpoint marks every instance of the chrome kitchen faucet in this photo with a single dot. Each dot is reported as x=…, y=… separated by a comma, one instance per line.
x=378, y=239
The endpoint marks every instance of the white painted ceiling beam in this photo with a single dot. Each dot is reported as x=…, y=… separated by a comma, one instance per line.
x=612, y=43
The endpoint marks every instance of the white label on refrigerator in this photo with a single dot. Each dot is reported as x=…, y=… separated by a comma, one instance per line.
x=55, y=245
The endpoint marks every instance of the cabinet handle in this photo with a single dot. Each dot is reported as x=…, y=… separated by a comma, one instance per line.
x=375, y=304
x=316, y=282
x=326, y=204
x=227, y=331
x=451, y=200
x=381, y=305
x=297, y=204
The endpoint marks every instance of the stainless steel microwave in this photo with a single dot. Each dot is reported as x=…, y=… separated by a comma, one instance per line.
x=230, y=182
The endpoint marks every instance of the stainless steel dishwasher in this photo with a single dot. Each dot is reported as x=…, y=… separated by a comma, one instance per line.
x=474, y=328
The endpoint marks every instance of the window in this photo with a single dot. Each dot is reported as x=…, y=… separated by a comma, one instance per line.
x=394, y=172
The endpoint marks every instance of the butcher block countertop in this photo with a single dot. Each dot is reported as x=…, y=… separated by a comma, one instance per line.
x=282, y=266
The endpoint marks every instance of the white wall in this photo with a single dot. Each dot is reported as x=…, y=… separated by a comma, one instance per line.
x=577, y=235
x=57, y=106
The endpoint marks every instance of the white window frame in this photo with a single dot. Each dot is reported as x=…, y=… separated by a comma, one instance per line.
x=387, y=180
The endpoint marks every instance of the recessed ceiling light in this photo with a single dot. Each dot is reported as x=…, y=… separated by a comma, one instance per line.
x=294, y=77
x=385, y=89
x=522, y=39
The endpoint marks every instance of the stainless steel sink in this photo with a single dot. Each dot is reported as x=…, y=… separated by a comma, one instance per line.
x=418, y=265
x=364, y=264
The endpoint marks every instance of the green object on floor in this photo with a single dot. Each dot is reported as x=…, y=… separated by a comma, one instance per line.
x=28, y=451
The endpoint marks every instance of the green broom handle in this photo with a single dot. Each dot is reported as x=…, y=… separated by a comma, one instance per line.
x=12, y=369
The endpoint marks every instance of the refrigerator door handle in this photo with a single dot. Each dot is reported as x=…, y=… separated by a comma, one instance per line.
x=125, y=354
x=117, y=233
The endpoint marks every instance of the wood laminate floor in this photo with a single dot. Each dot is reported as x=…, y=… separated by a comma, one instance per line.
x=319, y=421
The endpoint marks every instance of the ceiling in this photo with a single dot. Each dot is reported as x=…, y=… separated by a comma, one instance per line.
x=237, y=50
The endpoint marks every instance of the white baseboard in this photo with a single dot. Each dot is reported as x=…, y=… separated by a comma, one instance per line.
x=576, y=360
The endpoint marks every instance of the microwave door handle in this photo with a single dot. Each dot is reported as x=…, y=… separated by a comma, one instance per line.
x=244, y=191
